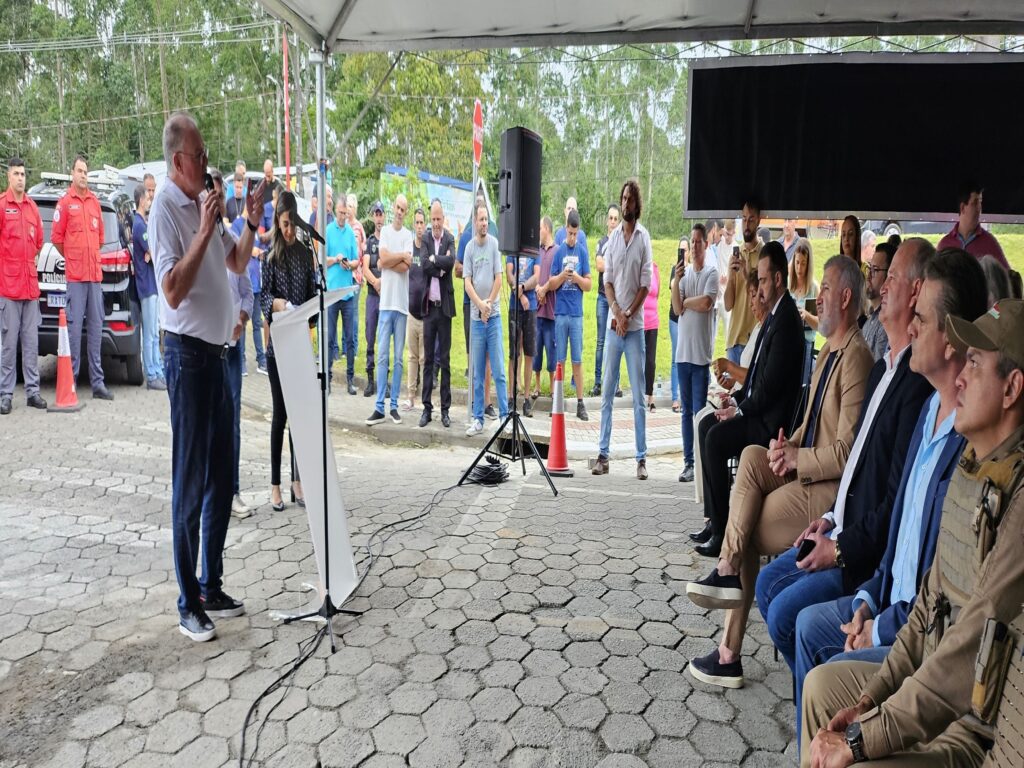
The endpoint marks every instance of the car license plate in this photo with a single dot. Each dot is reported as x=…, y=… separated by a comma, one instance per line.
x=56, y=300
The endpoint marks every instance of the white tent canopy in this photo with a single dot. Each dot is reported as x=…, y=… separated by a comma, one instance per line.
x=391, y=25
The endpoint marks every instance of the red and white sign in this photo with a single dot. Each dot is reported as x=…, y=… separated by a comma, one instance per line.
x=478, y=133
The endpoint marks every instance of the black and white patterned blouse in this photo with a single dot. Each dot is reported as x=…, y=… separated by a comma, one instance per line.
x=290, y=277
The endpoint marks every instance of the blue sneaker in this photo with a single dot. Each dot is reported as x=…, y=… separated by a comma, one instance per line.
x=196, y=625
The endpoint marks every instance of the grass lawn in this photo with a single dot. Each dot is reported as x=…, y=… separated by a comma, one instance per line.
x=664, y=256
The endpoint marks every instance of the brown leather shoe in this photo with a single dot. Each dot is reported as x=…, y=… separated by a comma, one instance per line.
x=600, y=466
x=641, y=469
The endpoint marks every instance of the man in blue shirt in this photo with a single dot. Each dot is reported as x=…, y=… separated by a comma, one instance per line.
x=235, y=216
x=562, y=233
x=145, y=285
x=341, y=262
x=522, y=320
x=570, y=276
x=864, y=626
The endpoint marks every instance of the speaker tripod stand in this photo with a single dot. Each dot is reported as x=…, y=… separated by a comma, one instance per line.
x=520, y=435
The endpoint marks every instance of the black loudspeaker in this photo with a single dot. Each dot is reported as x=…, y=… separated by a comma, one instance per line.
x=519, y=191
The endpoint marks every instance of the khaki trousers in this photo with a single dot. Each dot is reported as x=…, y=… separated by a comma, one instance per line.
x=766, y=514
x=837, y=685
x=414, y=341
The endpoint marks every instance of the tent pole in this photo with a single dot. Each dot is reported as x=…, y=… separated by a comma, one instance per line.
x=318, y=59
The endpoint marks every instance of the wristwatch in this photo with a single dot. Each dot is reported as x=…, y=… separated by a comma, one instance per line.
x=855, y=741
x=840, y=563
x=629, y=313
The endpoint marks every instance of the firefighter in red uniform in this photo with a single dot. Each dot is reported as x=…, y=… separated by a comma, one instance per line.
x=78, y=235
x=21, y=237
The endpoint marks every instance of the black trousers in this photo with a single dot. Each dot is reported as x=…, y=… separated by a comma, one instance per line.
x=719, y=442
x=278, y=422
x=651, y=352
x=437, y=333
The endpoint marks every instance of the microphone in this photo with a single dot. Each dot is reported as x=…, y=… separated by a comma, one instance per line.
x=286, y=202
x=208, y=182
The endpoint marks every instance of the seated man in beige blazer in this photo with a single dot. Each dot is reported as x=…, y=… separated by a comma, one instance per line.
x=779, y=490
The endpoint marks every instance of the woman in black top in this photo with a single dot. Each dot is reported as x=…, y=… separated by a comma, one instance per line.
x=288, y=281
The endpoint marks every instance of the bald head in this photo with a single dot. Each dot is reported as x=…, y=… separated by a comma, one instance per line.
x=401, y=208
x=570, y=205
x=176, y=130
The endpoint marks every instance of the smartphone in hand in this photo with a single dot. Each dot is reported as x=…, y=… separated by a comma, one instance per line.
x=806, y=546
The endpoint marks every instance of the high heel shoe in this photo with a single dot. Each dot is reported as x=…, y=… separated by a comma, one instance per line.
x=279, y=506
x=300, y=501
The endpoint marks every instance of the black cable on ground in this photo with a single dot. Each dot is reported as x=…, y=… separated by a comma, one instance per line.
x=492, y=473
x=309, y=647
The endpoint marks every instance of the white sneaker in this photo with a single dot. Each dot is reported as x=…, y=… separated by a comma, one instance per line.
x=239, y=508
x=476, y=428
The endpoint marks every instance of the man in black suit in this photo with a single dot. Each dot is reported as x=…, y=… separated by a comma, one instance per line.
x=850, y=539
x=766, y=401
x=438, y=311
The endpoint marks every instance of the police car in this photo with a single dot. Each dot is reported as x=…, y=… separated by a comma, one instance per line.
x=122, y=337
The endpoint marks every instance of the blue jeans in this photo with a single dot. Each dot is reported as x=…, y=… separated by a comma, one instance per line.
x=633, y=347
x=673, y=333
x=733, y=353
x=487, y=342
x=693, y=386
x=545, y=345
x=602, y=327
x=783, y=590
x=151, y=361
x=201, y=459
x=349, y=312
x=257, y=334
x=569, y=331
x=234, y=371
x=819, y=639
x=390, y=323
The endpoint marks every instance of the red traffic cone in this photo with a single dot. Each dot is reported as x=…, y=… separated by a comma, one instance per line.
x=558, y=464
x=67, y=399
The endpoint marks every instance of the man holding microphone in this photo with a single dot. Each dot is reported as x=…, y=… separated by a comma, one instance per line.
x=191, y=249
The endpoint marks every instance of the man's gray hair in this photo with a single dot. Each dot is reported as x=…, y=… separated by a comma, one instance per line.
x=852, y=278
x=175, y=128
x=921, y=253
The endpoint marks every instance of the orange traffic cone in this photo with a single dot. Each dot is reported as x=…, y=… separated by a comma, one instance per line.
x=67, y=400
x=558, y=464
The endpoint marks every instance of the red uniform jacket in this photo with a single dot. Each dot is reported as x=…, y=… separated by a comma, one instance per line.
x=78, y=225
x=21, y=237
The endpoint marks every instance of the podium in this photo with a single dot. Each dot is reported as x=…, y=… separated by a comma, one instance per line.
x=300, y=385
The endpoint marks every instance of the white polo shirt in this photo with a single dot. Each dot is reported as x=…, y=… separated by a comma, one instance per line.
x=206, y=312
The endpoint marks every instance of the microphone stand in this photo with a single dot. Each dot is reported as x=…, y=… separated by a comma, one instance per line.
x=327, y=610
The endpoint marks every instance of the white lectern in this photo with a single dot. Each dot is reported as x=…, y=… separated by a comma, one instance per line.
x=298, y=370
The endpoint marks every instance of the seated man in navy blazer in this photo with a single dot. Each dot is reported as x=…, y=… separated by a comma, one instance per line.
x=863, y=626
x=764, y=404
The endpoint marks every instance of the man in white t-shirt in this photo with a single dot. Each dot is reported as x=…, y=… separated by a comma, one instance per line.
x=694, y=289
x=395, y=260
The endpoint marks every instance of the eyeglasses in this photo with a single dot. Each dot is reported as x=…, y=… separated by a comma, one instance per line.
x=200, y=157
x=873, y=270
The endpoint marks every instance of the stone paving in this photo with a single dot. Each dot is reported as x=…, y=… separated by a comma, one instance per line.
x=511, y=628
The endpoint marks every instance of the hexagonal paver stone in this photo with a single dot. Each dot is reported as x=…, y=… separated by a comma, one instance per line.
x=412, y=698
x=345, y=748
x=625, y=668
x=623, y=642
x=424, y=667
x=206, y=694
x=97, y=721
x=497, y=704
x=672, y=686
x=447, y=718
x=70, y=754
x=151, y=706
x=23, y=644
x=468, y=658
x=205, y=752
x=226, y=718
x=708, y=706
x=130, y=686
x=585, y=654
x=545, y=663
x=379, y=678
x=670, y=718
x=659, y=633
x=717, y=741
x=540, y=691
x=489, y=741
x=349, y=660
x=173, y=732
x=229, y=664
x=476, y=633
x=553, y=597
x=626, y=698
x=507, y=647
x=586, y=681
x=398, y=734
x=332, y=691
x=579, y=711
x=312, y=725
x=548, y=638
x=502, y=674
x=626, y=733
x=534, y=727
x=365, y=711
x=516, y=624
